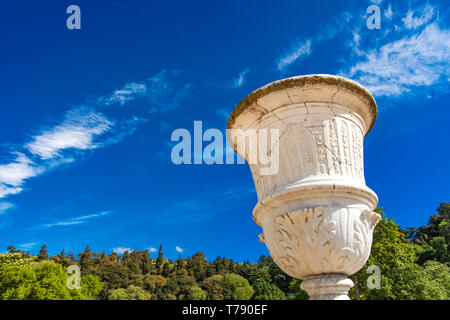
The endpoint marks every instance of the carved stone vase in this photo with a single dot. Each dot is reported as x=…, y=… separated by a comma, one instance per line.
x=316, y=210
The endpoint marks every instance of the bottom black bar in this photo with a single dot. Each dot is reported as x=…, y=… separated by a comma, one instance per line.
x=223, y=309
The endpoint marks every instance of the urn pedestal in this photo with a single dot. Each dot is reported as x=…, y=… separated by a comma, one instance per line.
x=315, y=210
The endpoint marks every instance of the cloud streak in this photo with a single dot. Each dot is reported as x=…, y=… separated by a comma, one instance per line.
x=77, y=131
x=239, y=81
x=412, y=22
x=126, y=94
x=13, y=174
x=73, y=221
x=299, y=49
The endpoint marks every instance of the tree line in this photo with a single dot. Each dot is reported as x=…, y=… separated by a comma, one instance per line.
x=413, y=264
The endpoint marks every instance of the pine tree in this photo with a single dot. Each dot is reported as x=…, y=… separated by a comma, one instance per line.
x=71, y=257
x=43, y=254
x=85, y=259
x=11, y=249
x=62, y=255
x=159, y=260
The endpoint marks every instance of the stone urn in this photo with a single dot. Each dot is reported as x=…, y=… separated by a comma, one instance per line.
x=316, y=211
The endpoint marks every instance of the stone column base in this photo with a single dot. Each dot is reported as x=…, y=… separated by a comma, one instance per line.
x=327, y=287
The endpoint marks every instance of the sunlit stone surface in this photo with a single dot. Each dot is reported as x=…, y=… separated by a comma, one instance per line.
x=316, y=211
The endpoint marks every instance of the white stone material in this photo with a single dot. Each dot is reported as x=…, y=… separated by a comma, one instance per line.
x=316, y=211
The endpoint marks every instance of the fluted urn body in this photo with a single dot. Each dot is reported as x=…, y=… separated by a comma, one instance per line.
x=315, y=208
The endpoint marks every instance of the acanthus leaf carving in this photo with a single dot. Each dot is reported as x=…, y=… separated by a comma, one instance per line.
x=307, y=240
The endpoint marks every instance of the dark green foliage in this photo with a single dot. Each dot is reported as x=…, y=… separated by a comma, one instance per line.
x=236, y=287
x=43, y=255
x=267, y=291
x=436, y=226
x=432, y=241
x=213, y=287
x=295, y=292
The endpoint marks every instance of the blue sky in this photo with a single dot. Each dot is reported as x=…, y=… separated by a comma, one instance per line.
x=87, y=115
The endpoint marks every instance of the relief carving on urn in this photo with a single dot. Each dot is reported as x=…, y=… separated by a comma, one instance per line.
x=316, y=210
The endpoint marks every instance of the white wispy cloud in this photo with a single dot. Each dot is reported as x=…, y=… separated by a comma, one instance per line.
x=388, y=13
x=122, y=250
x=151, y=249
x=178, y=249
x=160, y=92
x=396, y=67
x=413, y=22
x=163, y=93
x=302, y=48
x=16, y=172
x=239, y=81
x=45, y=150
x=73, y=221
x=128, y=93
x=6, y=191
x=77, y=131
x=27, y=245
x=299, y=49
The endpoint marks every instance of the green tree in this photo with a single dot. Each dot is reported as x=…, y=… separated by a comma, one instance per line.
x=131, y=293
x=91, y=286
x=236, y=287
x=197, y=293
x=85, y=260
x=261, y=273
x=436, y=225
x=436, y=249
x=46, y=281
x=62, y=259
x=179, y=284
x=14, y=259
x=118, y=294
x=267, y=291
x=296, y=291
x=213, y=287
x=197, y=264
x=43, y=255
x=12, y=249
x=439, y=273
x=401, y=278
x=159, y=260
x=154, y=283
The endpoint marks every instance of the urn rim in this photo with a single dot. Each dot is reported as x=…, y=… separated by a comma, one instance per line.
x=305, y=81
